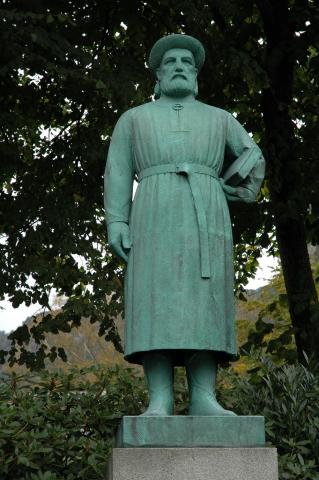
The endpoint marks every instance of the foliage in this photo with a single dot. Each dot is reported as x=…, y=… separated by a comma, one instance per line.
x=83, y=348
x=68, y=70
x=273, y=333
x=288, y=398
x=62, y=425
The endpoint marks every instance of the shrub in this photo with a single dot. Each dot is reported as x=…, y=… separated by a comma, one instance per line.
x=287, y=396
x=62, y=426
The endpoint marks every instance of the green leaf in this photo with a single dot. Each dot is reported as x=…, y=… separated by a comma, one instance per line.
x=100, y=85
x=62, y=354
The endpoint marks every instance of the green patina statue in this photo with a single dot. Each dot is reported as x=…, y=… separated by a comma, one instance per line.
x=190, y=159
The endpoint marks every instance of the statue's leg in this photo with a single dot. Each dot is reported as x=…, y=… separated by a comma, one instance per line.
x=201, y=369
x=159, y=372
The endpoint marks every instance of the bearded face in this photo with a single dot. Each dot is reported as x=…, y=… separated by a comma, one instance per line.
x=177, y=73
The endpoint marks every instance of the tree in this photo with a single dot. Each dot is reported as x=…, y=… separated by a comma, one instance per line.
x=290, y=61
x=288, y=96
x=70, y=69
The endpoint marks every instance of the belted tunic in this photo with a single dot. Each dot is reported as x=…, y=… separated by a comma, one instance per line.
x=189, y=169
x=179, y=277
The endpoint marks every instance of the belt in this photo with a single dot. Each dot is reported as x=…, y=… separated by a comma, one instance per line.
x=190, y=170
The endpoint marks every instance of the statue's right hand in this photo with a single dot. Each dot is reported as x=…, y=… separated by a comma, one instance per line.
x=119, y=238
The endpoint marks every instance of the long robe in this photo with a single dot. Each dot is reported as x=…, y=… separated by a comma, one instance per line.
x=168, y=303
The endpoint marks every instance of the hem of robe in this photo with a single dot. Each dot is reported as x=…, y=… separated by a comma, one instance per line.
x=178, y=354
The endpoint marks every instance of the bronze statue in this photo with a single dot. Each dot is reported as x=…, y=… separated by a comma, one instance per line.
x=190, y=159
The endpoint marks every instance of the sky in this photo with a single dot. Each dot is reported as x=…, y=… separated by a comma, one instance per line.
x=11, y=318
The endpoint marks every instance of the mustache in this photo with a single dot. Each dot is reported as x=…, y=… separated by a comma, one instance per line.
x=176, y=75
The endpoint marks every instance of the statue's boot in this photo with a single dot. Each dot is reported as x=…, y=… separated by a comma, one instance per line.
x=201, y=369
x=159, y=372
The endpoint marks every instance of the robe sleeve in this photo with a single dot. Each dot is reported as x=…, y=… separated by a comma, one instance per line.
x=119, y=172
x=247, y=170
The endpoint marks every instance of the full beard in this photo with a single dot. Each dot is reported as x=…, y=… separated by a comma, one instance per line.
x=177, y=87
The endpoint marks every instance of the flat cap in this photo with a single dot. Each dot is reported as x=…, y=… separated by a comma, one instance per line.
x=176, y=40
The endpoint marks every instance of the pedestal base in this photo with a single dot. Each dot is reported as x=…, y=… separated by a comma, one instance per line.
x=193, y=464
x=192, y=431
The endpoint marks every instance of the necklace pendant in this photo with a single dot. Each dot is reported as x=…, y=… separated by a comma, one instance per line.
x=177, y=107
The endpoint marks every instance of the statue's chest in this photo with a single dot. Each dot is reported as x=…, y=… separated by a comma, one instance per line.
x=174, y=129
x=179, y=129
x=180, y=121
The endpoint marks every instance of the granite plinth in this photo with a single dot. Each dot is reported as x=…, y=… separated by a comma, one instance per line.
x=191, y=431
x=193, y=464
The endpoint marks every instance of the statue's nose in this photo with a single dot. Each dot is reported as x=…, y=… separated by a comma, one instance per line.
x=179, y=66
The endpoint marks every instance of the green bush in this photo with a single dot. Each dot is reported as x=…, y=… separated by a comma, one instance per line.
x=288, y=397
x=62, y=425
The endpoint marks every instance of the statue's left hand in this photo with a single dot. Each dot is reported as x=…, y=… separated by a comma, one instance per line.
x=230, y=193
x=238, y=194
x=119, y=238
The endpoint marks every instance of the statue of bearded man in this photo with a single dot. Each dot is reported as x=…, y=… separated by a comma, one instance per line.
x=190, y=159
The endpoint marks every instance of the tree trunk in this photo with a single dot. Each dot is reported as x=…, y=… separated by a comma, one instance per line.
x=300, y=287
x=287, y=204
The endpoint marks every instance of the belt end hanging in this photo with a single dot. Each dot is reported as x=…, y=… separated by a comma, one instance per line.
x=205, y=271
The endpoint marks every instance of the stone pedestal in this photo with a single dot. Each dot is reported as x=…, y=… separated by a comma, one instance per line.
x=193, y=464
x=192, y=448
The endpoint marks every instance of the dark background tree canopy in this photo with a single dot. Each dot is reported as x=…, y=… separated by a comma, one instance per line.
x=70, y=69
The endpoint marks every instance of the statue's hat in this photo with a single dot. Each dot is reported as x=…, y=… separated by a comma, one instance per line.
x=176, y=40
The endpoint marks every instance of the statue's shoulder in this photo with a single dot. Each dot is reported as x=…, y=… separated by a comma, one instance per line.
x=127, y=118
x=212, y=110
x=132, y=112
